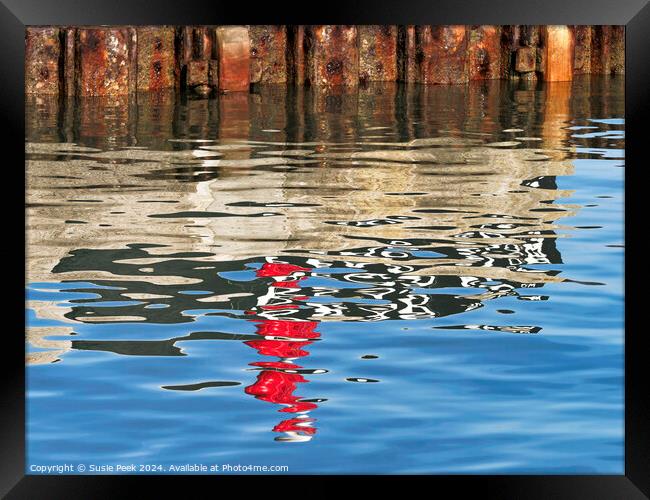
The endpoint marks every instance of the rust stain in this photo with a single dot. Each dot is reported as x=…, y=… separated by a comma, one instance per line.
x=296, y=49
x=608, y=50
x=443, y=54
x=268, y=48
x=42, y=55
x=529, y=35
x=617, y=64
x=186, y=36
x=156, y=58
x=69, y=72
x=234, y=58
x=407, y=54
x=558, y=53
x=582, y=52
x=485, y=53
x=103, y=61
x=525, y=59
x=197, y=73
x=201, y=43
x=377, y=53
x=332, y=56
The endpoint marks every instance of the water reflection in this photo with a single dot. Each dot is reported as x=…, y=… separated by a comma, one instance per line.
x=288, y=210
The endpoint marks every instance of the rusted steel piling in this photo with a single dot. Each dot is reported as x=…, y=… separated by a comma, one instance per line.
x=42, y=61
x=601, y=48
x=104, y=61
x=582, y=50
x=406, y=54
x=268, y=52
x=157, y=68
x=195, y=54
x=68, y=46
x=331, y=56
x=119, y=60
x=558, y=53
x=617, y=66
x=528, y=53
x=443, y=54
x=296, y=55
x=233, y=48
x=485, y=53
x=377, y=53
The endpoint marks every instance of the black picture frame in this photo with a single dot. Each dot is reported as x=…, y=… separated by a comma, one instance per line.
x=634, y=14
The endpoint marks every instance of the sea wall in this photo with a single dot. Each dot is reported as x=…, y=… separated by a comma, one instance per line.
x=118, y=60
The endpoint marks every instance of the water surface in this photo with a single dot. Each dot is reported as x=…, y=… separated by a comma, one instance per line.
x=396, y=279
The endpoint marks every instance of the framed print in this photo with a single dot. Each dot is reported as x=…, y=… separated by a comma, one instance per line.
x=384, y=241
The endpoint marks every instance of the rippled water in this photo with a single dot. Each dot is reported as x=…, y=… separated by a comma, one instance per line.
x=395, y=279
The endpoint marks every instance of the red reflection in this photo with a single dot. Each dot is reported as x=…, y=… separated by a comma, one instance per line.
x=286, y=339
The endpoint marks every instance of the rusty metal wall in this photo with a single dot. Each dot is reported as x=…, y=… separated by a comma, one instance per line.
x=118, y=60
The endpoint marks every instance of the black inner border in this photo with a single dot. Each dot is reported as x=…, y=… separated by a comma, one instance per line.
x=15, y=14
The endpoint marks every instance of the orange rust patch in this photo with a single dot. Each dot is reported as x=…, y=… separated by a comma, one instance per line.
x=558, y=53
x=103, y=61
x=268, y=47
x=377, y=53
x=42, y=54
x=332, y=55
x=443, y=54
x=234, y=58
x=156, y=59
x=485, y=53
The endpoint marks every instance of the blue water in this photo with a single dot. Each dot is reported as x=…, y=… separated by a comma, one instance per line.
x=414, y=308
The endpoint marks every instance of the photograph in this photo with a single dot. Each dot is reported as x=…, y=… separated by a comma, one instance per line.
x=369, y=249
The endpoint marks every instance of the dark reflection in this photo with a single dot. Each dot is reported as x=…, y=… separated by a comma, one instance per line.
x=198, y=387
x=339, y=115
x=153, y=347
x=284, y=209
x=338, y=289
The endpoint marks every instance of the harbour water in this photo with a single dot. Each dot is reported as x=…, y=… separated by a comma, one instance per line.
x=391, y=279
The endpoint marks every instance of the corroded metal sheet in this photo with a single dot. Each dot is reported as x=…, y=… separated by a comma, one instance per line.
x=185, y=42
x=42, y=58
x=268, y=47
x=204, y=40
x=104, y=61
x=608, y=50
x=120, y=59
x=213, y=73
x=196, y=43
x=510, y=35
x=617, y=50
x=406, y=54
x=69, y=55
x=582, y=52
x=443, y=52
x=601, y=44
x=377, y=53
x=233, y=48
x=525, y=58
x=332, y=55
x=296, y=54
x=156, y=58
x=529, y=35
x=558, y=44
x=197, y=73
x=485, y=59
